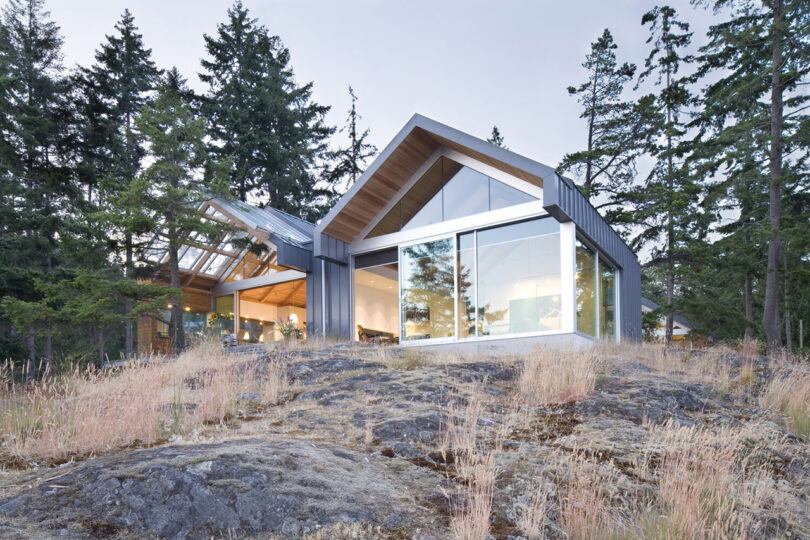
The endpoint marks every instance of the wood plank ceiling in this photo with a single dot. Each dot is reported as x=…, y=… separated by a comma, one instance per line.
x=389, y=178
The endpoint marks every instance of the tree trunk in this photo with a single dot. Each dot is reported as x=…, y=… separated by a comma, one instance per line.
x=30, y=344
x=770, y=315
x=788, y=340
x=48, y=349
x=100, y=347
x=749, y=307
x=176, y=334
x=128, y=305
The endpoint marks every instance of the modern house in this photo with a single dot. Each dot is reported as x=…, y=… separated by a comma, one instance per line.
x=446, y=240
x=684, y=333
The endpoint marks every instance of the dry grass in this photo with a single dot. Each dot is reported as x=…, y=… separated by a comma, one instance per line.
x=788, y=393
x=550, y=376
x=533, y=516
x=473, y=466
x=92, y=412
x=586, y=492
x=706, y=483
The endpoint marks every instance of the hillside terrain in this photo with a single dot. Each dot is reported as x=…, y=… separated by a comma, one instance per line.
x=365, y=442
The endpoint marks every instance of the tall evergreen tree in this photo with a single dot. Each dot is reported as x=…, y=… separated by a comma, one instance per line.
x=116, y=87
x=666, y=204
x=168, y=193
x=763, y=58
x=617, y=130
x=351, y=161
x=38, y=203
x=260, y=117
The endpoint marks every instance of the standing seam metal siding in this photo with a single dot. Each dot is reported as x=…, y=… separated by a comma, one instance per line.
x=564, y=201
x=337, y=280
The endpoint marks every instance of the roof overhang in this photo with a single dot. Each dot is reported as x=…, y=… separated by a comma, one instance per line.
x=400, y=160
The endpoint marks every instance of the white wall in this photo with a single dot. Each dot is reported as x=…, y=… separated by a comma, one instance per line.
x=375, y=309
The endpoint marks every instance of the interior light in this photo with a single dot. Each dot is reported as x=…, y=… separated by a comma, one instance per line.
x=294, y=318
x=169, y=306
x=187, y=308
x=247, y=335
x=261, y=338
x=371, y=281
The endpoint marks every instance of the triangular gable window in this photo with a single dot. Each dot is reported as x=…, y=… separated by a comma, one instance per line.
x=447, y=191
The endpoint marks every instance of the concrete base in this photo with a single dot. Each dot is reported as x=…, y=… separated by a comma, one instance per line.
x=510, y=346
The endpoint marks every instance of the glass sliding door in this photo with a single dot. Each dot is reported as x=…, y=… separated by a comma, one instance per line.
x=427, y=290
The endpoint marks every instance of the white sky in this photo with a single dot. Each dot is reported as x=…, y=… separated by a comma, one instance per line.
x=467, y=63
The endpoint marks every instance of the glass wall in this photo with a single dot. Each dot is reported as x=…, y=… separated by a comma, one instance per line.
x=607, y=293
x=467, y=313
x=448, y=190
x=596, y=294
x=223, y=308
x=518, y=278
x=586, y=290
x=427, y=287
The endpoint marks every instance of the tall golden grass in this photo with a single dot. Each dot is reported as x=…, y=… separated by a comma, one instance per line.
x=552, y=376
x=788, y=393
x=88, y=412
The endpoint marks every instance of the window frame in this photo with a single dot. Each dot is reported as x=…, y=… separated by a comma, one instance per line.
x=600, y=258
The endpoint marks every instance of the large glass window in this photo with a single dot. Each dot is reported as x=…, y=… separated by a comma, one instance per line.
x=518, y=278
x=446, y=191
x=596, y=294
x=427, y=290
x=607, y=309
x=586, y=290
x=466, y=285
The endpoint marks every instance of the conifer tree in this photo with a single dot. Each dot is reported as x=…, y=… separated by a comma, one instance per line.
x=116, y=87
x=259, y=117
x=495, y=137
x=666, y=204
x=351, y=161
x=617, y=130
x=763, y=58
x=38, y=202
x=178, y=180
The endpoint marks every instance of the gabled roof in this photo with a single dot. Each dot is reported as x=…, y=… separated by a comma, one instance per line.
x=408, y=151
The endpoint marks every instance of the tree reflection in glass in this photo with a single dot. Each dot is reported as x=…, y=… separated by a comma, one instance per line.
x=427, y=290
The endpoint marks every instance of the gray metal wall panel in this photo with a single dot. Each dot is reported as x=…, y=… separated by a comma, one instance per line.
x=333, y=249
x=293, y=256
x=564, y=201
x=338, y=310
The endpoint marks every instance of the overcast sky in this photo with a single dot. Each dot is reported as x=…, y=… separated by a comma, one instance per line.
x=467, y=63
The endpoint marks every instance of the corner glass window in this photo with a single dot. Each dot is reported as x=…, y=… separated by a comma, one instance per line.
x=518, y=272
x=427, y=290
x=607, y=303
x=586, y=290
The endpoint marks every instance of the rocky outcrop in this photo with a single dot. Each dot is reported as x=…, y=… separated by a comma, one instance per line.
x=356, y=443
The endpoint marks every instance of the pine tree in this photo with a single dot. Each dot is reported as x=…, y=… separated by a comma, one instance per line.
x=115, y=89
x=496, y=138
x=762, y=61
x=168, y=193
x=351, y=161
x=617, y=130
x=259, y=117
x=666, y=205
